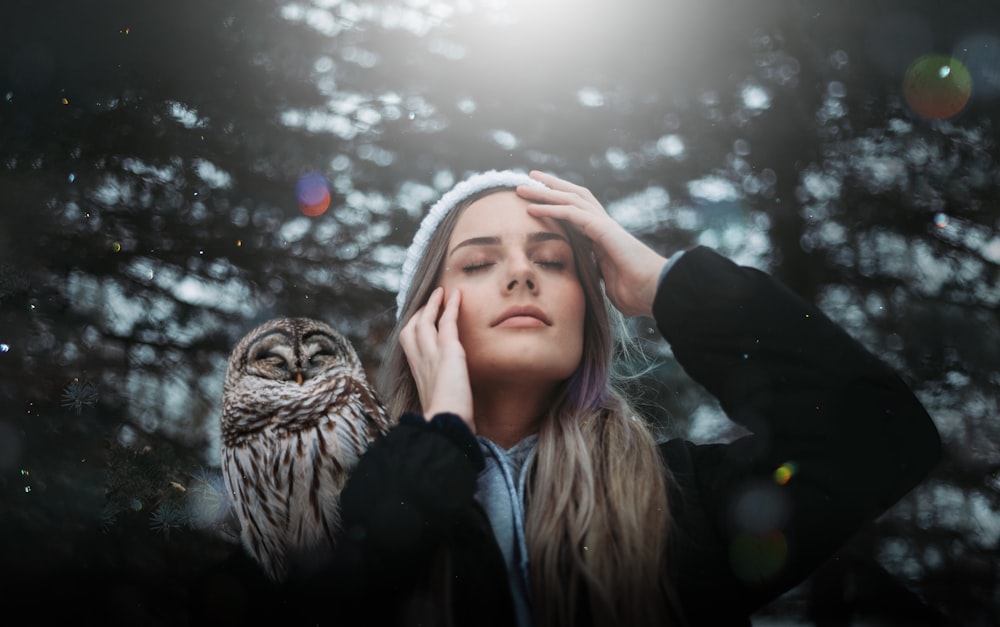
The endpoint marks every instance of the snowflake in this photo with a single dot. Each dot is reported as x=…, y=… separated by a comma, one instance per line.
x=207, y=502
x=166, y=517
x=79, y=394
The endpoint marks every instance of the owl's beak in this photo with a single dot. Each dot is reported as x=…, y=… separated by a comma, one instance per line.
x=298, y=377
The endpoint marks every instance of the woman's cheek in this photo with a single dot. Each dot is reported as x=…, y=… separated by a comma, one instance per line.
x=465, y=315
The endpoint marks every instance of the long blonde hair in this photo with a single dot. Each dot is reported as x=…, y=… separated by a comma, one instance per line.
x=597, y=516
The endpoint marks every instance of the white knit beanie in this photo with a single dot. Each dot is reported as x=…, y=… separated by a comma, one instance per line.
x=474, y=184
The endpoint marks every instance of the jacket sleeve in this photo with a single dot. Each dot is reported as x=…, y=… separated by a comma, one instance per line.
x=837, y=437
x=414, y=547
x=409, y=488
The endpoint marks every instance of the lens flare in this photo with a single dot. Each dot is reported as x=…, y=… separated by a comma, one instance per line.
x=784, y=473
x=937, y=86
x=313, y=194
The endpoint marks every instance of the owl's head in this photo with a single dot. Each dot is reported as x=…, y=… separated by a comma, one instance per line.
x=292, y=350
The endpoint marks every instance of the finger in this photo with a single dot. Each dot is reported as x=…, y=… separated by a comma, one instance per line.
x=557, y=198
x=407, y=334
x=557, y=183
x=419, y=314
x=448, y=324
x=553, y=181
x=584, y=220
x=432, y=309
x=408, y=340
x=426, y=328
x=550, y=195
x=411, y=335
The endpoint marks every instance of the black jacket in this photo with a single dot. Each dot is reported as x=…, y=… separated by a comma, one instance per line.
x=850, y=436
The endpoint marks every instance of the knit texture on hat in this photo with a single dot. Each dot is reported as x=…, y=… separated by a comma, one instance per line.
x=474, y=184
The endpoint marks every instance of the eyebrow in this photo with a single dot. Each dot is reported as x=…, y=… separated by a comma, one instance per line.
x=493, y=240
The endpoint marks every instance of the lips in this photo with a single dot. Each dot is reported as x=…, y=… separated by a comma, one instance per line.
x=521, y=312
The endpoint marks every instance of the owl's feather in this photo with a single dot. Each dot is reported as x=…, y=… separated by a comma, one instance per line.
x=298, y=413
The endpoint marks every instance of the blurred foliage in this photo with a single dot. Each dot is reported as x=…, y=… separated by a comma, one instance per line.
x=148, y=159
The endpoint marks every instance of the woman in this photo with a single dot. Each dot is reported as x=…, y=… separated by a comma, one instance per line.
x=520, y=485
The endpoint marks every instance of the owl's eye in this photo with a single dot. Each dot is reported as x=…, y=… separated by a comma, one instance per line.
x=322, y=358
x=272, y=350
x=271, y=359
x=321, y=349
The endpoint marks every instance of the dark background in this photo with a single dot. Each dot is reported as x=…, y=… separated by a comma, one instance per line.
x=149, y=153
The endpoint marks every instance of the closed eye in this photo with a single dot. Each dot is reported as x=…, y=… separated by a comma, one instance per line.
x=320, y=357
x=554, y=265
x=272, y=358
x=475, y=267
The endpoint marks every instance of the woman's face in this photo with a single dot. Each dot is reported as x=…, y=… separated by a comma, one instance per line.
x=522, y=311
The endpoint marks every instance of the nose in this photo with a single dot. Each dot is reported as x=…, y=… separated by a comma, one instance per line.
x=521, y=273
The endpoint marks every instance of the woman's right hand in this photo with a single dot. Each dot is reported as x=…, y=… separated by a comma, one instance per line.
x=437, y=358
x=630, y=269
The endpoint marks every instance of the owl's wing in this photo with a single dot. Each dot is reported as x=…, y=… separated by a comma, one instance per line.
x=261, y=507
x=377, y=417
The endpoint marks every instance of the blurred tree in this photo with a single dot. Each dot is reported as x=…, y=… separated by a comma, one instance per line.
x=148, y=160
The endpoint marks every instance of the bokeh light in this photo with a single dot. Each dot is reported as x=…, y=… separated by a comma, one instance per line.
x=784, y=473
x=759, y=508
x=313, y=194
x=757, y=518
x=937, y=86
x=758, y=557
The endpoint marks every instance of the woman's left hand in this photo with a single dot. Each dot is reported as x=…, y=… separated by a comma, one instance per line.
x=630, y=268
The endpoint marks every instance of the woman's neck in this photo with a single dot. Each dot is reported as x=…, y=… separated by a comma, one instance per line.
x=506, y=414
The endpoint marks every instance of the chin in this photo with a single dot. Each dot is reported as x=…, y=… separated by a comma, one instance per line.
x=550, y=366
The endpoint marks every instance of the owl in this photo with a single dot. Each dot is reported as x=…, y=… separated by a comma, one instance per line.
x=297, y=414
